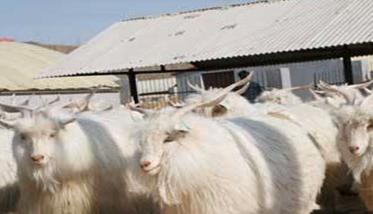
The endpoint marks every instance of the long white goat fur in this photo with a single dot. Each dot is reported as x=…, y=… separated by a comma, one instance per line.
x=362, y=165
x=91, y=178
x=9, y=191
x=279, y=96
x=245, y=166
x=235, y=104
x=320, y=124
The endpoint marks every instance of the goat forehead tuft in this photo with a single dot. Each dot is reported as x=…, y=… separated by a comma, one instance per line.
x=36, y=123
x=159, y=124
x=355, y=117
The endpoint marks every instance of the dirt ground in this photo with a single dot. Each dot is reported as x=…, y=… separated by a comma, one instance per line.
x=348, y=204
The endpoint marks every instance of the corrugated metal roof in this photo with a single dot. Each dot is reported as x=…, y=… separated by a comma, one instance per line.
x=20, y=63
x=240, y=30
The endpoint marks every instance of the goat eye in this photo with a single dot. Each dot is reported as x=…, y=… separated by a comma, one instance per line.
x=52, y=135
x=370, y=127
x=22, y=136
x=169, y=139
x=175, y=135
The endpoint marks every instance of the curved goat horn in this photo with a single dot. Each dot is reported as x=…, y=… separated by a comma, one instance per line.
x=328, y=88
x=58, y=98
x=299, y=87
x=367, y=102
x=176, y=105
x=245, y=87
x=316, y=94
x=81, y=105
x=195, y=87
x=368, y=91
x=361, y=85
x=15, y=109
x=217, y=99
x=146, y=112
x=25, y=102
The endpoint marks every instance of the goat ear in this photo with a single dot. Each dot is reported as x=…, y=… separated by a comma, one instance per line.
x=145, y=112
x=182, y=127
x=25, y=102
x=14, y=109
x=175, y=135
x=315, y=94
x=367, y=102
x=7, y=124
x=370, y=126
x=63, y=122
x=219, y=110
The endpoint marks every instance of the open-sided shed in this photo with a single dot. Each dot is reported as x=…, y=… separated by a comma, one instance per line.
x=251, y=34
x=20, y=63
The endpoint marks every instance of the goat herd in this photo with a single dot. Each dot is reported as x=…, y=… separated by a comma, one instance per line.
x=214, y=154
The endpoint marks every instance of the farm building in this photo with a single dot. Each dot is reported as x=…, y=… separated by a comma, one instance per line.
x=20, y=63
x=290, y=39
x=279, y=76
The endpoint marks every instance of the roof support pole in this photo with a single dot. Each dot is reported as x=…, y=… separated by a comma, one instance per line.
x=347, y=69
x=133, y=85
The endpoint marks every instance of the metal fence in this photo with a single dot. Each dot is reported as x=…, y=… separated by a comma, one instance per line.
x=332, y=77
x=156, y=93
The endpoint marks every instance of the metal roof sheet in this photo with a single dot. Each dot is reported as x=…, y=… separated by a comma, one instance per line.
x=20, y=63
x=218, y=33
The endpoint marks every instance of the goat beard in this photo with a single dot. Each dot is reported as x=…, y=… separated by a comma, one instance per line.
x=45, y=178
x=362, y=164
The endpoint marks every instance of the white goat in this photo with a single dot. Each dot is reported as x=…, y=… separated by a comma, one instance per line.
x=281, y=96
x=320, y=125
x=203, y=166
x=355, y=141
x=9, y=191
x=233, y=105
x=74, y=164
x=315, y=120
x=342, y=94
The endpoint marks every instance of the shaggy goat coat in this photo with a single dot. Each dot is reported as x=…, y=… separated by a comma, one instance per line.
x=320, y=125
x=279, y=96
x=9, y=190
x=87, y=173
x=355, y=129
x=233, y=105
x=237, y=166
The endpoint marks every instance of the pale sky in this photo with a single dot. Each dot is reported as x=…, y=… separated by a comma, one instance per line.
x=76, y=21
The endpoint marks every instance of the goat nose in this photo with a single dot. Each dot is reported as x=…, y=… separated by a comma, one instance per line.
x=37, y=158
x=353, y=149
x=145, y=164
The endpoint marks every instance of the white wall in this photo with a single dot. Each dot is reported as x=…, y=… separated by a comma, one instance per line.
x=35, y=100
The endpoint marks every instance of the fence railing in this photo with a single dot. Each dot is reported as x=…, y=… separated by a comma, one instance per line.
x=156, y=93
x=331, y=77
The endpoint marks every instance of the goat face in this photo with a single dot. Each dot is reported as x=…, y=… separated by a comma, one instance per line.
x=35, y=140
x=157, y=141
x=357, y=135
x=37, y=144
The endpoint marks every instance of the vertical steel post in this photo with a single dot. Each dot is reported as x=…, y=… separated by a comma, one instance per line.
x=347, y=69
x=133, y=85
